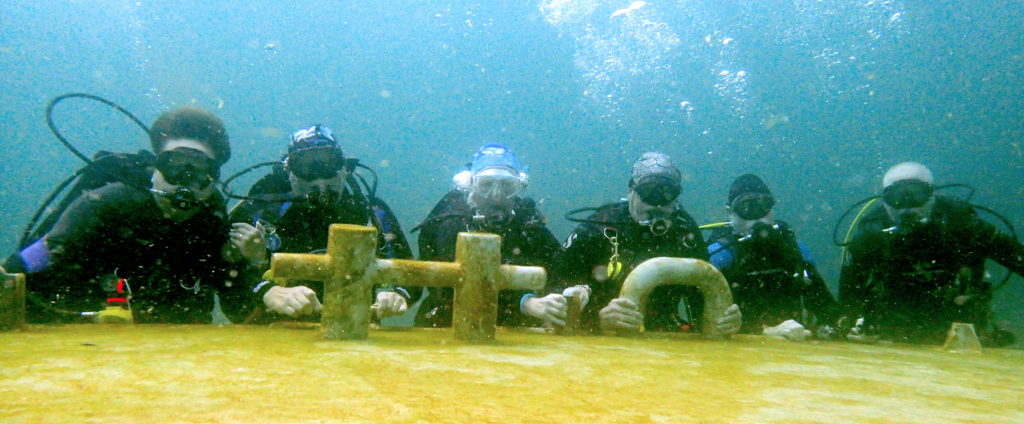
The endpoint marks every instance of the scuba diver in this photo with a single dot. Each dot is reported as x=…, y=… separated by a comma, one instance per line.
x=771, y=274
x=487, y=199
x=918, y=264
x=169, y=240
x=618, y=237
x=313, y=187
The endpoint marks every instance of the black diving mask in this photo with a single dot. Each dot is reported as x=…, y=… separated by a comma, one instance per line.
x=907, y=194
x=186, y=167
x=659, y=192
x=752, y=206
x=316, y=164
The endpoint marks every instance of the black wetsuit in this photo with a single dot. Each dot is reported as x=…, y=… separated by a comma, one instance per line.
x=669, y=308
x=909, y=285
x=772, y=277
x=525, y=240
x=300, y=226
x=172, y=268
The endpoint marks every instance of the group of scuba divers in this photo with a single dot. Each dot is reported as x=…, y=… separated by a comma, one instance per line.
x=160, y=238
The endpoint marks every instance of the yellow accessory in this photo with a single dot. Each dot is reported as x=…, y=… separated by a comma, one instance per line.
x=115, y=314
x=715, y=225
x=614, y=266
x=853, y=224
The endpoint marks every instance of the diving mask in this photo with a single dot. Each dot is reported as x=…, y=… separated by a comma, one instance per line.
x=752, y=206
x=658, y=191
x=316, y=164
x=187, y=167
x=907, y=194
x=496, y=184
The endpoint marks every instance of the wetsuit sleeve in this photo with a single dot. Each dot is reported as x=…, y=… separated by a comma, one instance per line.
x=391, y=239
x=855, y=277
x=80, y=234
x=997, y=245
x=73, y=253
x=542, y=249
x=577, y=260
x=391, y=243
x=242, y=212
x=438, y=234
x=819, y=300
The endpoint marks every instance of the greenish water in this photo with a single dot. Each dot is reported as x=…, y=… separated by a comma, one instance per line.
x=818, y=98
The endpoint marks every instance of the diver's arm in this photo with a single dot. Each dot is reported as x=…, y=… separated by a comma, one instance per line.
x=818, y=299
x=853, y=287
x=997, y=245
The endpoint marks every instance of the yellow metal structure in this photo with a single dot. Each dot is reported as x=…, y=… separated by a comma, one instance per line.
x=350, y=269
x=681, y=271
x=12, y=302
x=244, y=374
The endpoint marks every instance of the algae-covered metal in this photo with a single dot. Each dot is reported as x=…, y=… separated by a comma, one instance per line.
x=681, y=271
x=12, y=302
x=350, y=270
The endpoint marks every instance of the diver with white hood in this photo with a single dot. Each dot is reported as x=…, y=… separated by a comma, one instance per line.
x=918, y=264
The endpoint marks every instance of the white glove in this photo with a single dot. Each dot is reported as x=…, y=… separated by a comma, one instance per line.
x=250, y=242
x=789, y=330
x=621, y=313
x=730, y=321
x=389, y=304
x=292, y=301
x=581, y=292
x=550, y=308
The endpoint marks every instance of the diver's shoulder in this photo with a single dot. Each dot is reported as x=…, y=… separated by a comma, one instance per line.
x=950, y=205
x=117, y=193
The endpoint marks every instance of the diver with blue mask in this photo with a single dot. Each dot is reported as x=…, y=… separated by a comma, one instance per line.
x=917, y=264
x=170, y=240
x=617, y=237
x=488, y=197
x=771, y=274
x=313, y=187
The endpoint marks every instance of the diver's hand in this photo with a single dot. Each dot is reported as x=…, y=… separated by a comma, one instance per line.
x=581, y=292
x=292, y=301
x=250, y=242
x=550, y=308
x=622, y=314
x=389, y=304
x=730, y=321
x=858, y=334
x=789, y=330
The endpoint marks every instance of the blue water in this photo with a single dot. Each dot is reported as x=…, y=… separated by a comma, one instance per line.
x=818, y=98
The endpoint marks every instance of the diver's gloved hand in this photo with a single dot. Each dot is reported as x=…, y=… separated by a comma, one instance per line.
x=621, y=314
x=389, y=304
x=730, y=321
x=581, y=292
x=859, y=334
x=292, y=301
x=550, y=308
x=789, y=330
x=250, y=242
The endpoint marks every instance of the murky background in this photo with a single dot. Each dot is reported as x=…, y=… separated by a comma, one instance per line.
x=818, y=98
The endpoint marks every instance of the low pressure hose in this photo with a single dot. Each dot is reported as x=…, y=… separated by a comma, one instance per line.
x=681, y=271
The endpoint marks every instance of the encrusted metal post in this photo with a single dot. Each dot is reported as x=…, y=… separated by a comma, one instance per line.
x=349, y=271
x=12, y=302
